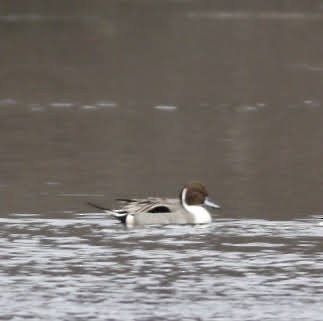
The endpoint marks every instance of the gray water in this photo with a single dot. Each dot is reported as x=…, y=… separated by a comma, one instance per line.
x=87, y=267
x=134, y=99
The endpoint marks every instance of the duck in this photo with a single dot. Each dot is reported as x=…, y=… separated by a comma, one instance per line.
x=187, y=209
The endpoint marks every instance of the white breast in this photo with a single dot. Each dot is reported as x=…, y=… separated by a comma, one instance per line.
x=200, y=214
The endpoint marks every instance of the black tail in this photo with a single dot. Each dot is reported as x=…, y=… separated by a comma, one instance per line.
x=120, y=216
x=126, y=200
x=98, y=206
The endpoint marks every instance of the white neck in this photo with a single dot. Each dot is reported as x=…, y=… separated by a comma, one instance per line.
x=200, y=214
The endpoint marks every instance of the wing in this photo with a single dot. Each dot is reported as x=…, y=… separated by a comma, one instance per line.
x=148, y=205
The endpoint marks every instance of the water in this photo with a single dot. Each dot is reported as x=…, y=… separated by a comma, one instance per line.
x=99, y=101
x=89, y=267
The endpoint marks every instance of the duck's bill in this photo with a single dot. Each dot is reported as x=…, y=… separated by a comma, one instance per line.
x=209, y=203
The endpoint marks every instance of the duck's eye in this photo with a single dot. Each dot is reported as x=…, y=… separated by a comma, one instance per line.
x=159, y=209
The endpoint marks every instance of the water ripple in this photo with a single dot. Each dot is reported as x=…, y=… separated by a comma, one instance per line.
x=84, y=267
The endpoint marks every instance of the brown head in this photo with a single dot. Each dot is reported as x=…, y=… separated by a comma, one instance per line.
x=192, y=196
x=196, y=193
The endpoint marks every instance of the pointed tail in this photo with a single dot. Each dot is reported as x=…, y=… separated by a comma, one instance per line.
x=118, y=214
x=99, y=207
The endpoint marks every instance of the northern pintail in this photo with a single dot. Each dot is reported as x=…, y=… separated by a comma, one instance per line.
x=187, y=209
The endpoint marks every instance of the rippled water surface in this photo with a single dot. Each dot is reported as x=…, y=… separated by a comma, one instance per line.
x=90, y=267
x=107, y=99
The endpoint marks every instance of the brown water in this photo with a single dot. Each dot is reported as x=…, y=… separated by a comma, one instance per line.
x=135, y=99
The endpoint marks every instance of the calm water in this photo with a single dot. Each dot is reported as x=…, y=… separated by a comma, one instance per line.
x=99, y=101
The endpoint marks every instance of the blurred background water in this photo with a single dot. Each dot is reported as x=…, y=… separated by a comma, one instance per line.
x=133, y=98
